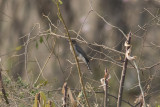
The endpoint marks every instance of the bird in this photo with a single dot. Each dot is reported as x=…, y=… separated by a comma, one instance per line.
x=81, y=55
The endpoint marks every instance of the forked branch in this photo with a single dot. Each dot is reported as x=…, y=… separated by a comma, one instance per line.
x=123, y=74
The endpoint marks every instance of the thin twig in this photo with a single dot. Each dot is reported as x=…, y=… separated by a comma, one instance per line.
x=106, y=78
x=139, y=82
x=41, y=71
x=2, y=88
x=150, y=67
x=39, y=67
x=26, y=51
x=26, y=55
x=82, y=41
x=65, y=94
x=78, y=34
x=97, y=92
x=106, y=20
x=77, y=63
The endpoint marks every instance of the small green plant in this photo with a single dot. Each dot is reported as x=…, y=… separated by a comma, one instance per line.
x=41, y=101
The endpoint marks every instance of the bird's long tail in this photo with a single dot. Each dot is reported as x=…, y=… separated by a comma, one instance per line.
x=89, y=68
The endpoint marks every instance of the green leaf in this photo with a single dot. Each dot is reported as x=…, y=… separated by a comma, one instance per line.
x=18, y=48
x=53, y=104
x=35, y=101
x=43, y=98
x=42, y=83
x=1, y=93
x=80, y=95
x=45, y=83
x=60, y=1
x=7, y=71
x=41, y=39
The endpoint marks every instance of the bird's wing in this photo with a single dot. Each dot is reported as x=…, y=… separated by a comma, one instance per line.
x=80, y=50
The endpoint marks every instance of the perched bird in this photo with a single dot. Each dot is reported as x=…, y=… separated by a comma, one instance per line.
x=81, y=55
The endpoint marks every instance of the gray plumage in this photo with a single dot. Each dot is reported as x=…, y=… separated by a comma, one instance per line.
x=81, y=55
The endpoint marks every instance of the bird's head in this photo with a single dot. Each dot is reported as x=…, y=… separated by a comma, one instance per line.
x=74, y=42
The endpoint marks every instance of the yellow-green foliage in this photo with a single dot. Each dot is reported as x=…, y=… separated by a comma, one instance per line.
x=41, y=101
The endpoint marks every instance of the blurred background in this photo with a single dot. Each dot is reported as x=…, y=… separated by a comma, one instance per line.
x=33, y=40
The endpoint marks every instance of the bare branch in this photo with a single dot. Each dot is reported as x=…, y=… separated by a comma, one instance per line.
x=106, y=77
x=123, y=74
x=2, y=88
x=139, y=83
